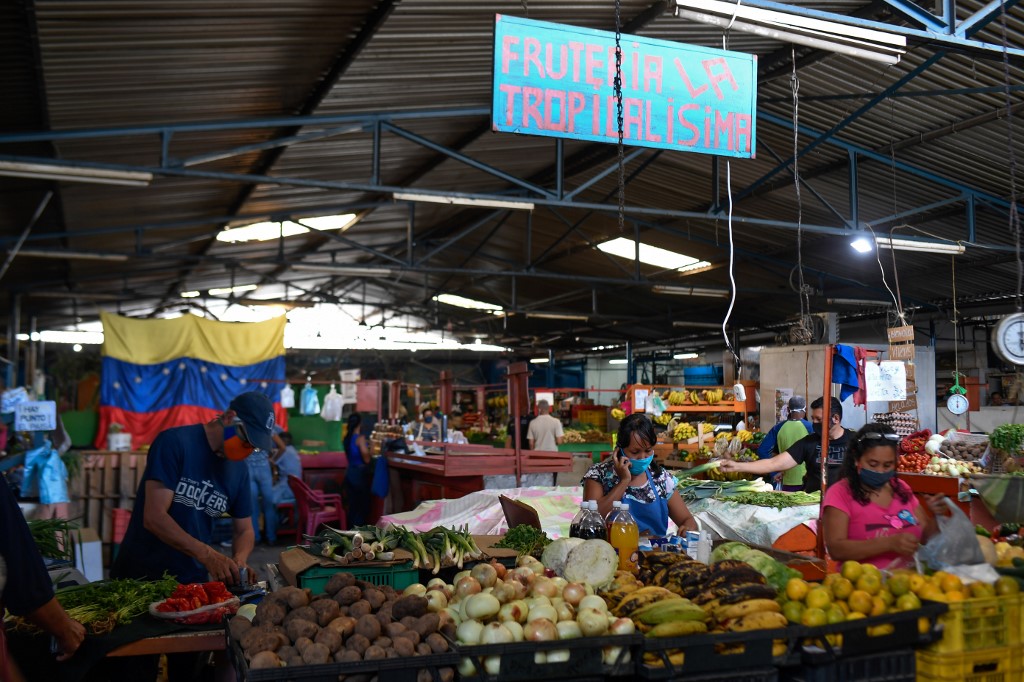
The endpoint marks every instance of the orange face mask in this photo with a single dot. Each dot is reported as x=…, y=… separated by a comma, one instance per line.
x=236, y=448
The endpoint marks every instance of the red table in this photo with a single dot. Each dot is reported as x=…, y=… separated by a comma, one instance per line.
x=324, y=471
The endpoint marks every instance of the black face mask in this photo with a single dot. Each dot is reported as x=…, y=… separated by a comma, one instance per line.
x=818, y=428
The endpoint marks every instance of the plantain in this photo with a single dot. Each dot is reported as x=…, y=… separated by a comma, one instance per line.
x=743, y=592
x=663, y=658
x=678, y=628
x=762, y=620
x=669, y=610
x=645, y=596
x=745, y=608
x=780, y=647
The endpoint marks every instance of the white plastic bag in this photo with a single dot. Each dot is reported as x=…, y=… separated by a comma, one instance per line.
x=287, y=397
x=310, y=401
x=954, y=545
x=333, y=406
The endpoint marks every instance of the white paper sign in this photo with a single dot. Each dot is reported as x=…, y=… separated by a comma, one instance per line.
x=886, y=380
x=35, y=415
x=640, y=399
x=549, y=396
x=782, y=396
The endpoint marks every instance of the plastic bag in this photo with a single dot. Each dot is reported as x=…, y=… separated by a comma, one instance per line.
x=955, y=544
x=287, y=397
x=333, y=406
x=310, y=401
x=53, y=480
x=208, y=614
x=655, y=405
x=12, y=397
x=35, y=460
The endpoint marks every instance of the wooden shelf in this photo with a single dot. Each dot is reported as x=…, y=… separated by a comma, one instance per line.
x=724, y=406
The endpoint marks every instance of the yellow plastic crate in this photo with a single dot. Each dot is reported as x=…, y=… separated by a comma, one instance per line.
x=979, y=624
x=991, y=665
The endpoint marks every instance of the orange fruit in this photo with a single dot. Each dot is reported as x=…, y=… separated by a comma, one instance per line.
x=814, y=617
x=819, y=598
x=830, y=578
x=917, y=583
x=796, y=589
x=851, y=570
x=980, y=590
x=793, y=611
x=887, y=597
x=951, y=583
x=878, y=607
x=1006, y=585
x=855, y=615
x=908, y=602
x=899, y=584
x=834, y=614
x=860, y=602
x=870, y=583
x=955, y=595
x=842, y=588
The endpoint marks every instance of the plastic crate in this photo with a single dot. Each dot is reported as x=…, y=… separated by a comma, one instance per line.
x=895, y=666
x=759, y=675
x=519, y=662
x=398, y=576
x=390, y=669
x=712, y=653
x=977, y=624
x=873, y=635
x=990, y=665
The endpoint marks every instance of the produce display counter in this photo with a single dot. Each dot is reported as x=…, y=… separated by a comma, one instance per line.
x=924, y=484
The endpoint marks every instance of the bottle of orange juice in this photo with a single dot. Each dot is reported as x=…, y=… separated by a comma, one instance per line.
x=624, y=536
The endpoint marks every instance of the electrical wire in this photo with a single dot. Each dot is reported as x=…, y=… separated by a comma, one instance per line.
x=732, y=246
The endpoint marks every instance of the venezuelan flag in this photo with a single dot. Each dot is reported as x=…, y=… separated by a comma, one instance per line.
x=163, y=373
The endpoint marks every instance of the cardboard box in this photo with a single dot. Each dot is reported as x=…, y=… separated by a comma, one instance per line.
x=89, y=554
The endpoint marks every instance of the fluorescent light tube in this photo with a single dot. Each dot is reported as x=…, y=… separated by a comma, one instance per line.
x=351, y=270
x=918, y=245
x=468, y=303
x=861, y=245
x=617, y=361
x=189, y=294
x=557, y=316
x=538, y=361
x=652, y=255
x=685, y=356
x=697, y=325
x=266, y=231
x=464, y=201
x=857, y=301
x=232, y=290
x=689, y=291
x=72, y=255
x=63, y=172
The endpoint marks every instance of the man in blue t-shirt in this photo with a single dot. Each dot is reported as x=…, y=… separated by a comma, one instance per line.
x=193, y=475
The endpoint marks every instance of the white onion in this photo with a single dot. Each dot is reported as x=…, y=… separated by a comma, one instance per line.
x=568, y=629
x=544, y=587
x=466, y=667
x=593, y=623
x=573, y=593
x=538, y=601
x=416, y=589
x=543, y=611
x=469, y=632
x=622, y=626
x=516, y=629
x=565, y=611
x=540, y=630
x=492, y=665
x=558, y=656
x=496, y=633
x=516, y=611
x=482, y=606
x=436, y=600
x=593, y=602
x=484, y=574
x=435, y=582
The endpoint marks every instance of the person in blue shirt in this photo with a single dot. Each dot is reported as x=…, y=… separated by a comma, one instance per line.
x=359, y=474
x=797, y=412
x=193, y=475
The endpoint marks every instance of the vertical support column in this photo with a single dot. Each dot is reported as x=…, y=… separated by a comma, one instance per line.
x=551, y=369
x=826, y=420
x=408, y=233
x=375, y=173
x=445, y=392
x=949, y=15
x=630, y=367
x=529, y=240
x=854, y=204
x=30, y=358
x=971, y=217
x=518, y=400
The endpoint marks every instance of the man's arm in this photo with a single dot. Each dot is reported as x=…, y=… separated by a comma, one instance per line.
x=559, y=440
x=158, y=521
x=243, y=540
x=532, y=442
x=764, y=450
x=52, y=618
x=781, y=462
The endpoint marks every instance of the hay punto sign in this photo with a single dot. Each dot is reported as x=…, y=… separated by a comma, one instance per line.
x=558, y=81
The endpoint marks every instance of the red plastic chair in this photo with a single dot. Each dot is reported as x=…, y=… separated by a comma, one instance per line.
x=316, y=507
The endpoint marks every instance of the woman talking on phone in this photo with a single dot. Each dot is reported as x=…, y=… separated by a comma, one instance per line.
x=632, y=476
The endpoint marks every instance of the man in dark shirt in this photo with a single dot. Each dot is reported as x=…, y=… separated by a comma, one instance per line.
x=807, y=450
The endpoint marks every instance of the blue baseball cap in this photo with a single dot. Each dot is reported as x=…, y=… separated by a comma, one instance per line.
x=257, y=414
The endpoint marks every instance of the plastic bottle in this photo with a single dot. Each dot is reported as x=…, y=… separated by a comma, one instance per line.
x=624, y=536
x=592, y=525
x=574, y=525
x=616, y=506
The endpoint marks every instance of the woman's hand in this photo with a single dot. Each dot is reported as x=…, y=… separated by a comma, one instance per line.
x=622, y=467
x=937, y=504
x=903, y=543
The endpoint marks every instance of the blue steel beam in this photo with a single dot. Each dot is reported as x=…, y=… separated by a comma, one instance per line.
x=992, y=89
x=854, y=201
x=807, y=185
x=914, y=211
x=823, y=137
x=983, y=17
x=916, y=13
x=263, y=146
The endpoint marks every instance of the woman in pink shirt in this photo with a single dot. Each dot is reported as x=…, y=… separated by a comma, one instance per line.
x=870, y=515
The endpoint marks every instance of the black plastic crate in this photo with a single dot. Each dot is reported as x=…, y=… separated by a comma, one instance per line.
x=759, y=675
x=890, y=666
x=389, y=670
x=519, y=664
x=710, y=654
x=860, y=637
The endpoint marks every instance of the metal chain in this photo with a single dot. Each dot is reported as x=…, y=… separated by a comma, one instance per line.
x=1014, y=217
x=618, y=115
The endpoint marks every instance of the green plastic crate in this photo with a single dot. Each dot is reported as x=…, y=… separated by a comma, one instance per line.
x=398, y=576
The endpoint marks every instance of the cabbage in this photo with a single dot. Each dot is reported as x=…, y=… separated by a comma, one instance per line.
x=593, y=562
x=557, y=552
x=729, y=550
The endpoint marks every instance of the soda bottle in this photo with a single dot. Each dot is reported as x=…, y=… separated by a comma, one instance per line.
x=624, y=536
x=592, y=525
x=611, y=515
x=574, y=525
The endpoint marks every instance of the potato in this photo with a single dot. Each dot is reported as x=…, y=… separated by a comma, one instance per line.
x=316, y=654
x=348, y=595
x=265, y=659
x=293, y=596
x=358, y=643
x=301, y=643
x=347, y=656
x=391, y=653
x=375, y=597
x=423, y=649
x=281, y=635
x=238, y=626
x=390, y=594
x=329, y=638
x=287, y=651
x=383, y=642
x=299, y=628
x=362, y=585
x=424, y=675
x=368, y=627
x=345, y=625
x=301, y=613
x=392, y=630
x=427, y=624
x=374, y=653
x=447, y=674
x=448, y=629
x=248, y=638
x=404, y=647
x=409, y=621
x=437, y=643
x=339, y=581
x=270, y=610
x=411, y=635
x=263, y=641
x=359, y=609
x=385, y=611
x=383, y=618
x=409, y=605
x=295, y=660
x=326, y=610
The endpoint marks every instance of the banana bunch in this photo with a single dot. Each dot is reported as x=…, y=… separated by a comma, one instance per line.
x=677, y=398
x=663, y=419
x=713, y=396
x=624, y=584
x=731, y=582
x=683, y=432
x=618, y=413
x=708, y=429
x=673, y=571
x=670, y=617
x=745, y=436
x=693, y=398
x=752, y=614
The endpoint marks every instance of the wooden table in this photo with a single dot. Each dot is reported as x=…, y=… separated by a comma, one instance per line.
x=195, y=641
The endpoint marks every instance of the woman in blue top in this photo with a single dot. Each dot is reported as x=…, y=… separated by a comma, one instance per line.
x=359, y=474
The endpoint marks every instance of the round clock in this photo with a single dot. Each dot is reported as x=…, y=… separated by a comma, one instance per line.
x=957, y=404
x=1008, y=339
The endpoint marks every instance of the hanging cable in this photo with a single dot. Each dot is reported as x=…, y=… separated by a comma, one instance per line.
x=804, y=330
x=618, y=115
x=1014, y=217
x=732, y=250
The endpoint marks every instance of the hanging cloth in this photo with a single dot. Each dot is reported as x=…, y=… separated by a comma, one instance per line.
x=861, y=396
x=333, y=406
x=844, y=371
x=287, y=397
x=310, y=401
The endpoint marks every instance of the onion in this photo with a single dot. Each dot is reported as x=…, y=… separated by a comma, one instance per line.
x=499, y=568
x=496, y=633
x=540, y=657
x=573, y=593
x=436, y=582
x=558, y=656
x=449, y=615
x=492, y=665
x=524, y=575
x=560, y=583
x=519, y=589
x=516, y=629
x=504, y=592
x=436, y=600
x=594, y=602
x=593, y=623
x=466, y=667
x=610, y=655
x=544, y=587
x=459, y=576
x=526, y=560
x=484, y=574
x=565, y=611
x=622, y=626
x=544, y=611
x=515, y=611
x=481, y=606
x=469, y=632
x=534, y=602
x=417, y=589
x=467, y=586
x=568, y=629
x=540, y=630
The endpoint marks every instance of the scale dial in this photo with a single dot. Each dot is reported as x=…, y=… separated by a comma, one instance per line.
x=1008, y=339
x=957, y=404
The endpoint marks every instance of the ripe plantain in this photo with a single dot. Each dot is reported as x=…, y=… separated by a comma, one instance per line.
x=762, y=620
x=678, y=628
x=745, y=608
